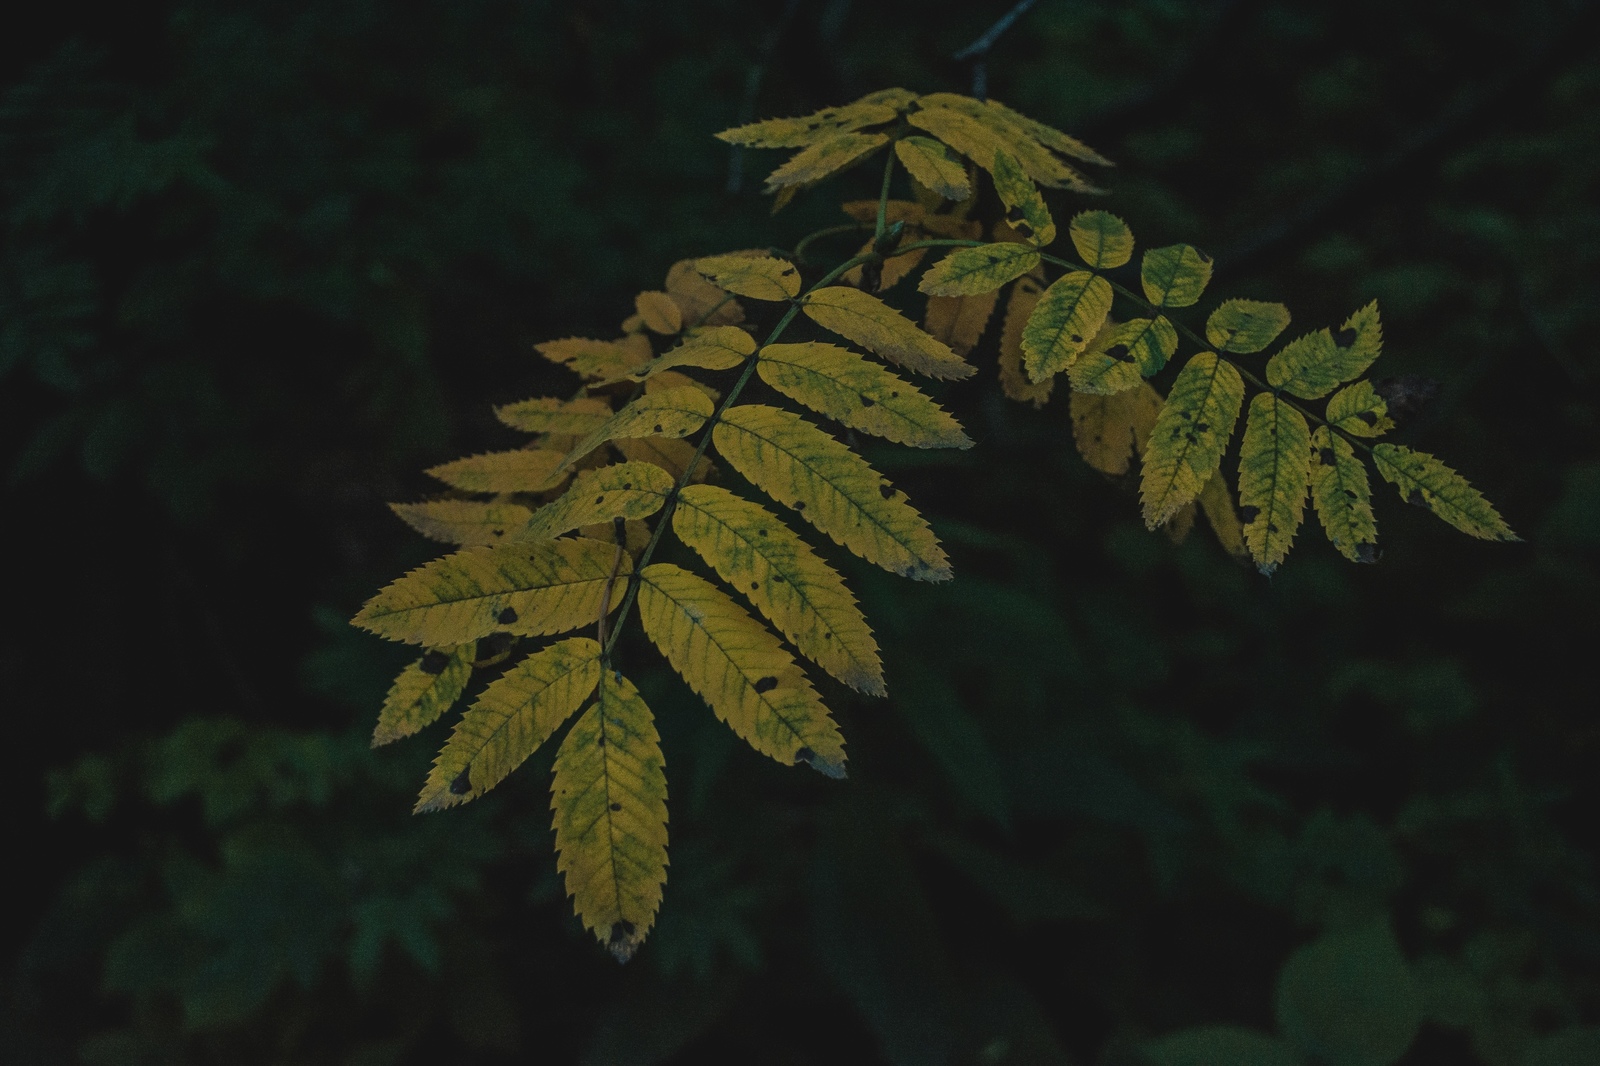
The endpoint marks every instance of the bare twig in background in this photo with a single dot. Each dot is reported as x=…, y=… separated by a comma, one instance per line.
x=978, y=51
x=752, y=88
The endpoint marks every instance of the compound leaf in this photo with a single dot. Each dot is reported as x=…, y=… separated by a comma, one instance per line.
x=861, y=317
x=983, y=269
x=1429, y=483
x=610, y=802
x=1102, y=239
x=1067, y=317
x=789, y=583
x=738, y=668
x=623, y=490
x=1174, y=276
x=464, y=522
x=925, y=160
x=423, y=691
x=1189, y=436
x=759, y=276
x=524, y=470
x=507, y=723
x=1274, y=473
x=1245, y=326
x=532, y=588
x=863, y=395
x=834, y=489
x=1342, y=497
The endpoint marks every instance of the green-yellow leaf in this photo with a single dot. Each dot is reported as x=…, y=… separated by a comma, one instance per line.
x=532, y=588
x=1174, y=276
x=669, y=413
x=1314, y=365
x=1216, y=503
x=1123, y=355
x=524, y=470
x=810, y=165
x=861, y=317
x=700, y=302
x=1066, y=319
x=863, y=395
x=985, y=268
x=659, y=312
x=1425, y=481
x=1190, y=436
x=1025, y=209
x=818, y=126
x=1342, y=497
x=959, y=321
x=1245, y=326
x=1014, y=382
x=1274, y=472
x=463, y=522
x=594, y=359
x=547, y=414
x=609, y=797
x=1111, y=429
x=507, y=723
x=1360, y=411
x=1102, y=239
x=1051, y=138
x=778, y=572
x=738, y=668
x=716, y=348
x=760, y=277
x=423, y=691
x=673, y=456
x=834, y=489
x=624, y=490
x=978, y=131
x=925, y=160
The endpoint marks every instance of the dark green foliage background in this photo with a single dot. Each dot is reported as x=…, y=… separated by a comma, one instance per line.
x=263, y=262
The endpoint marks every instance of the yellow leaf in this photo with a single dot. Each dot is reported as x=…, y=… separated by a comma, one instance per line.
x=1025, y=209
x=423, y=691
x=1342, y=496
x=977, y=131
x=594, y=359
x=1425, y=481
x=1360, y=411
x=547, y=414
x=834, y=489
x=959, y=321
x=760, y=277
x=524, y=470
x=1102, y=239
x=836, y=382
x=811, y=165
x=877, y=327
x=507, y=723
x=659, y=312
x=1316, y=364
x=532, y=589
x=1051, y=138
x=984, y=269
x=1216, y=502
x=1190, y=435
x=625, y=490
x=716, y=348
x=1067, y=317
x=673, y=456
x=1274, y=473
x=700, y=302
x=925, y=160
x=738, y=668
x=1013, y=382
x=664, y=380
x=668, y=413
x=1122, y=355
x=463, y=521
x=1111, y=429
x=798, y=592
x=1174, y=276
x=820, y=125
x=1245, y=326
x=609, y=798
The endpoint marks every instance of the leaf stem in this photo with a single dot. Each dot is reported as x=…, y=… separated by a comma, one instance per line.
x=805, y=242
x=705, y=442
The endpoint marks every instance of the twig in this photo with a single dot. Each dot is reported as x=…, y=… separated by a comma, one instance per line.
x=752, y=87
x=978, y=51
